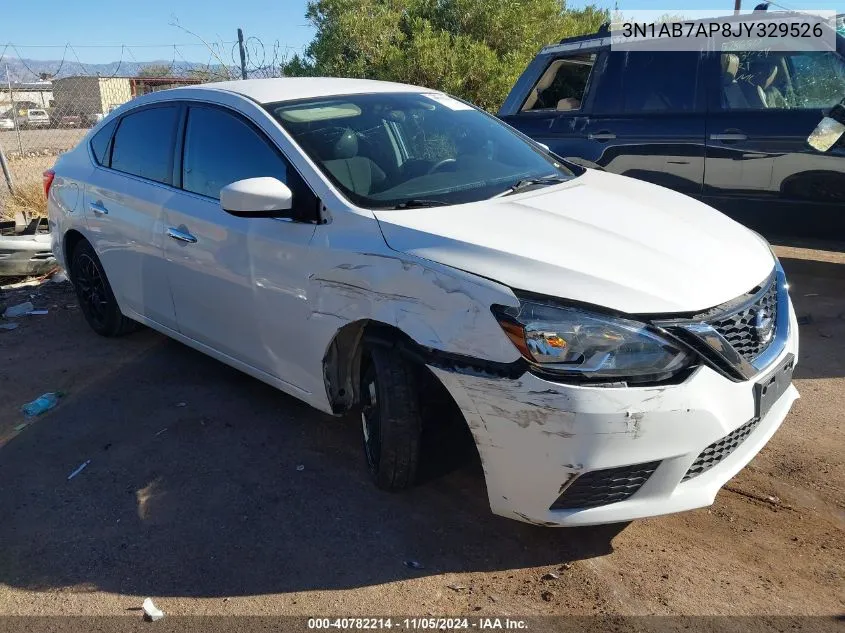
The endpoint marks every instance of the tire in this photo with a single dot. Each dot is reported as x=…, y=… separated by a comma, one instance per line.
x=95, y=295
x=390, y=419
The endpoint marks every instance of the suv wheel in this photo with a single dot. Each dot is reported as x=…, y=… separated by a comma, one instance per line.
x=95, y=294
x=390, y=419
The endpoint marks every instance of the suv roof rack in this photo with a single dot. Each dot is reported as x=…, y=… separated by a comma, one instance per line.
x=604, y=30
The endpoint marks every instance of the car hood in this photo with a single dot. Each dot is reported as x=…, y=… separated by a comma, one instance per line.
x=602, y=239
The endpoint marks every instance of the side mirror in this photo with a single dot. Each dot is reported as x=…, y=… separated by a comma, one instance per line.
x=257, y=198
x=830, y=130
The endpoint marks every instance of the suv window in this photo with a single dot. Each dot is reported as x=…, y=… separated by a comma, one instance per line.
x=653, y=81
x=759, y=80
x=220, y=149
x=144, y=143
x=100, y=143
x=562, y=86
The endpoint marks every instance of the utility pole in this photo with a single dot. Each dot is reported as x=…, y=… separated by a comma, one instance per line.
x=7, y=174
x=14, y=110
x=737, y=6
x=243, y=52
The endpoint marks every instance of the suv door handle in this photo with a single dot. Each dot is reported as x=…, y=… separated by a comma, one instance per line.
x=729, y=136
x=604, y=135
x=181, y=236
x=98, y=208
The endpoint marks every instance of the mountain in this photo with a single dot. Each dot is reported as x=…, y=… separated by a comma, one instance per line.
x=31, y=69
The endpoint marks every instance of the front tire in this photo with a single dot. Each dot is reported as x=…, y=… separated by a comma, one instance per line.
x=95, y=294
x=390, y=418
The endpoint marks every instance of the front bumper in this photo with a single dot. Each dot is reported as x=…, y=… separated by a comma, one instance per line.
x=535, y=437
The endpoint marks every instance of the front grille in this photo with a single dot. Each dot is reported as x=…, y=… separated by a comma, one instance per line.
x=717, y=451
x=740, y=330
x=600, y=487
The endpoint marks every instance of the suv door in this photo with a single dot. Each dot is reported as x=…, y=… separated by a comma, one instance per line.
x=123, y=205
x=550, y=101
x=237, y=283
x=760, y=168
x=648, y=119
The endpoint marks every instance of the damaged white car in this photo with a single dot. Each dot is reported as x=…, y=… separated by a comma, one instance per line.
x=616, y=349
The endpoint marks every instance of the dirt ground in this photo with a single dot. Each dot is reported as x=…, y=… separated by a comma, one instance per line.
x=215, y=494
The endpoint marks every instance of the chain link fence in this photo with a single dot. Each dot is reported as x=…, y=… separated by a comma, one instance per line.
x=43, y=114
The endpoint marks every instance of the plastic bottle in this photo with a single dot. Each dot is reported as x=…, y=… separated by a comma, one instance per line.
x=41, y=404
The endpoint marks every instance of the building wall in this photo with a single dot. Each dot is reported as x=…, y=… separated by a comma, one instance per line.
x=41, y=98
x=78, y=95
x=114, y=92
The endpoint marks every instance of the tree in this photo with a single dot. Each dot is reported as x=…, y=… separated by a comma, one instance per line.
x=475, y=49
x=154, y=70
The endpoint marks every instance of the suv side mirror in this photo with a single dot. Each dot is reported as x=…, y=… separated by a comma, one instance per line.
x=830, y=130
x=265, y=197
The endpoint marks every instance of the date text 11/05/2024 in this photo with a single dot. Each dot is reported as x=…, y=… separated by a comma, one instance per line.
x=428, y=623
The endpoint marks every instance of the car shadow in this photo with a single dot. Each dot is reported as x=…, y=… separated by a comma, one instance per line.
x=817, y=289
x=203, y=482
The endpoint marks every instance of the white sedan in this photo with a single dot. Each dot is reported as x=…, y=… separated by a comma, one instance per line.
x=616, y=349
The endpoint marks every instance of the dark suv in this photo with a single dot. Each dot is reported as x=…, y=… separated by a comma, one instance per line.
x=729, y=128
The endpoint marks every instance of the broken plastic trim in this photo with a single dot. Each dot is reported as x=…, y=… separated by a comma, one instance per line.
x=448, y=361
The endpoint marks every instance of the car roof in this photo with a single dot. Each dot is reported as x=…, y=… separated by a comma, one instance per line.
x=294, y=88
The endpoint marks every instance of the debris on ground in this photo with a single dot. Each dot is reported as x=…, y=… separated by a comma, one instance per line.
x=805, y=319
x=18, y=310
x=181, y=404
x=301, y=467
x=41, y=404
x=412, y=564
x=547, y=596
x=457, y=587
x=160, y=432
x=31, y=312
x=151, y=612
x=549, y=576
x=8, y=326
x=82, y=467
x=59, y=278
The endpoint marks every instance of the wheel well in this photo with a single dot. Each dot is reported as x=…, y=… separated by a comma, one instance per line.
x=342, y=362
x=72, y=238
x=447, y=441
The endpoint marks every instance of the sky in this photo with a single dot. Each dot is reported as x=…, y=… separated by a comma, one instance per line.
x=96, y=29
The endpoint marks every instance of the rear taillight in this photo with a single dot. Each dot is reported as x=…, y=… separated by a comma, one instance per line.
x=48, y=181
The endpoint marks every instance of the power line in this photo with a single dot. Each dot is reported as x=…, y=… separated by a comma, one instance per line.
x=111, y=45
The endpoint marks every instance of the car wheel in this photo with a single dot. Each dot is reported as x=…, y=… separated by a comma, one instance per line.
x=390, y=419
x=95, y=294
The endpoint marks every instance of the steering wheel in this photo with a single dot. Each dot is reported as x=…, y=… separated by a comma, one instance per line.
x=441, y=163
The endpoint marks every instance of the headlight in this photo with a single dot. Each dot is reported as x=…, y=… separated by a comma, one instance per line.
x=591, y=345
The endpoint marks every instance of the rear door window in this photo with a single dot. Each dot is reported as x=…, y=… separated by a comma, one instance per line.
x=655, y=81
x=101, y=142
x=797, y=80
x=144, y=143
x=562, y=85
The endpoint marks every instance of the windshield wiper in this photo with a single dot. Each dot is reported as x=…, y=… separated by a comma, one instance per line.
x=527, y=183
x=416, y=203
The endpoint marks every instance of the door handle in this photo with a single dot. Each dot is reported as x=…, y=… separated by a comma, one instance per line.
x=98, y=208
x=604, y=135
x=181, y=236
x=729, y=137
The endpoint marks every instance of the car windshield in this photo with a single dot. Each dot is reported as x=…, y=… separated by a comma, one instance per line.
x=396, y=150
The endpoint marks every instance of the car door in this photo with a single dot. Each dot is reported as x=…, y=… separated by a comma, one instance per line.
x=236, y=282
x=647, y=119
x=760, y=168
x=123, y=206
x=552, y=108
